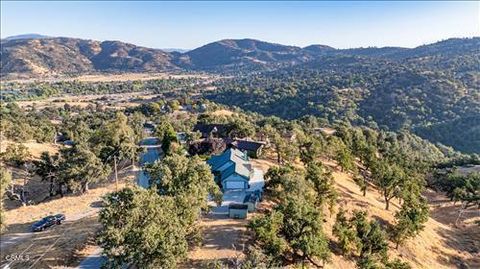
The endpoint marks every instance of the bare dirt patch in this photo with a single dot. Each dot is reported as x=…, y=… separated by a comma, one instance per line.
x=224, y=240
x=20, y=219
x=59, y=245
x=222, y=112
x=112, y=77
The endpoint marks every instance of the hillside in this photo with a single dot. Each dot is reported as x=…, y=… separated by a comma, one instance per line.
x=24, y=36
x=244, y=52
x=33, y=55
x=78, y=56
x=439, y=245
x=426, y=89
x=376, y=92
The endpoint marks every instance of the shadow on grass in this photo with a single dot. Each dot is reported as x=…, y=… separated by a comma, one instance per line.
x=463, y=239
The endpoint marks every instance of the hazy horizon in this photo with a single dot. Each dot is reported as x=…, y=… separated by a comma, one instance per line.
x=188, y=25
x=179, y=49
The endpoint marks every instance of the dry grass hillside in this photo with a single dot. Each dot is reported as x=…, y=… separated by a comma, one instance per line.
x=442, y=244
x=75, y=56
x=34, y=148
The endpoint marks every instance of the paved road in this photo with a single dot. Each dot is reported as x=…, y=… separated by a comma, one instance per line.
x=153, y=152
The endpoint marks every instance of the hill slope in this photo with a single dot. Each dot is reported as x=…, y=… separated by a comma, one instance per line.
x=243, y=52
x=77, y=56
x=36, y=55
x=440, y=245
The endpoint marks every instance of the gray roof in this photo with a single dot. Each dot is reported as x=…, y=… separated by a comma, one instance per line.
x=247, y=144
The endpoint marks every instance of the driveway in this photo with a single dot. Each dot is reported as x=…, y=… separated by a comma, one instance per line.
x=229, y=197
x=223, y=239
x=257, y=182
x=93, y=261
x=237, y=196
x=153, y=152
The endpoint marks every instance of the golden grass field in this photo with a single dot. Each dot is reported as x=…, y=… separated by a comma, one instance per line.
x=442, y=244
x=105, y=77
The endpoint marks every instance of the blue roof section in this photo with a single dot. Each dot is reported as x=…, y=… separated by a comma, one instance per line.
x=239, y=163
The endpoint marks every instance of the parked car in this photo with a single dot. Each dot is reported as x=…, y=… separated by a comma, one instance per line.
x=48, y=222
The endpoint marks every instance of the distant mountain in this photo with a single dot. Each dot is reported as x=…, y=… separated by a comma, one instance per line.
x=175, y=50
x=25, y=36
x=76, y=56
x=450, y=47
x=319, y=49
x=242, y=52
x=34, y=55
x=384, y=52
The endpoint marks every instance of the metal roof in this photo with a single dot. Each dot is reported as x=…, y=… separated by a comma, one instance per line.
x=238, y=163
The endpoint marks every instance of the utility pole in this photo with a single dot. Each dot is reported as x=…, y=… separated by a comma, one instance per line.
x=116, y=174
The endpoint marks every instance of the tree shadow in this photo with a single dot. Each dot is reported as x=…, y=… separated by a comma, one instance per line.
x=445, y=211
x=335, y=247
x=386, y=225
x=463, y=239
x=97, y=204
x=449, y=214
x=18, y=228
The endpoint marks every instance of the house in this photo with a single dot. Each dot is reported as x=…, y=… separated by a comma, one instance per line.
x=149, y=128
x=213, y=145
x=60, y=138
x=209, y=145
x=207, y=130
x=238, y=211
x=253, y=148
x=232, y=169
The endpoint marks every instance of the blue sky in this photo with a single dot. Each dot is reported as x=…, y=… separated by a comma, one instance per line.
x=191, y=24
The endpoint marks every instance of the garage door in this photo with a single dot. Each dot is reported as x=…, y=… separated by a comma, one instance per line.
x=235, y=185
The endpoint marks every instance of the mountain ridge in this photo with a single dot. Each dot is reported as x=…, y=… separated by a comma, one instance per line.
x=63, y=55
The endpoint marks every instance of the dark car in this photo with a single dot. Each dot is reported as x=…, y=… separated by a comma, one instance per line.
x=47, y=222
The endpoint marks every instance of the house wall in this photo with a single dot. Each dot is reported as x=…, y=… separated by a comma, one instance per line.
x=236, y=178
